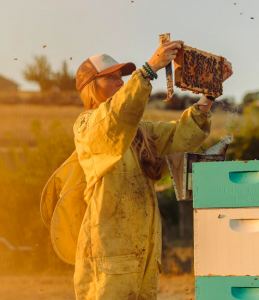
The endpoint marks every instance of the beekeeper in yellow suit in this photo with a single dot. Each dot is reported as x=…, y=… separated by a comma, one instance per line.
x=118, y=252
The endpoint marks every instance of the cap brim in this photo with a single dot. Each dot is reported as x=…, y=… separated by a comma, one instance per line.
x=126, y=69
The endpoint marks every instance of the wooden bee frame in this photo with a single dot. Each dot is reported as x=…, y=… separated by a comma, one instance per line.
x=165, y=38
x=199, y=71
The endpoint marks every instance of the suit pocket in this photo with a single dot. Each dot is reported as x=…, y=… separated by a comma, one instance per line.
x=118, y=277
x=118, y=265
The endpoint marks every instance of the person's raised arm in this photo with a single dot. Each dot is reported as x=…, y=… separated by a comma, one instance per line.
x=112, y=127
x=187, y=133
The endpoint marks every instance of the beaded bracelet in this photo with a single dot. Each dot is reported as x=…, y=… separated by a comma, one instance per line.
x=151, y=71
x=144, y=75
x=148, y=72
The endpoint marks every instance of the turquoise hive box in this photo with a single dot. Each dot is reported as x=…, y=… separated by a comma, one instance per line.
x=226, y=288
x=226, y=193
x=226, y=184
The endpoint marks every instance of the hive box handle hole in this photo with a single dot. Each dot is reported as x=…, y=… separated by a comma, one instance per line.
x=244, y=293
x=244, y=177
x=244, y=225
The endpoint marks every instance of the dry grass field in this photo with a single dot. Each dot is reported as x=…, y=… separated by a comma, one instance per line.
x=61, y=288
x=16, y=120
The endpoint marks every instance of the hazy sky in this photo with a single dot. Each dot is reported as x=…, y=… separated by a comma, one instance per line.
x=129, y=32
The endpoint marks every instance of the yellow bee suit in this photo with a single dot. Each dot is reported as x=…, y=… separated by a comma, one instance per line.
x=119, y=245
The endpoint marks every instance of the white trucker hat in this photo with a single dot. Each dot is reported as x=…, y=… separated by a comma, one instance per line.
x=99, y=65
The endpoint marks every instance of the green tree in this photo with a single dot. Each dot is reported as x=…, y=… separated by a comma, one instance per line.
x=64, y=79
x=246, y=140
x=250, y=97
x=39, y=72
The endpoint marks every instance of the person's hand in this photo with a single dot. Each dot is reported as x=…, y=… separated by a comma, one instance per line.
x=164, y=54
x=227, y=70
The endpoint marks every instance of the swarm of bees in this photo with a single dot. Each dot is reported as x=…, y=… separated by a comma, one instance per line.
x=252, y=18
x=44, y=46
x=132, y=1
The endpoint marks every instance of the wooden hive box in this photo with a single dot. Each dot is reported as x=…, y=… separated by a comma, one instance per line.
x=226, y=184
x=226, y=242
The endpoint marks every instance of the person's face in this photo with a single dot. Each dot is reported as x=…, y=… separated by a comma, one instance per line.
x=108, y=85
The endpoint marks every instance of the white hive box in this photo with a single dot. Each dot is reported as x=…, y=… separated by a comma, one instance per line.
x=226, y=242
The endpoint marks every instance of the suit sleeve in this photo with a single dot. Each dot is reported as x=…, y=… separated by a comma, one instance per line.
x=183, y=135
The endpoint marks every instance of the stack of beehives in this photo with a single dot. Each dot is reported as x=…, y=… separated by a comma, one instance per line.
x=226, y=230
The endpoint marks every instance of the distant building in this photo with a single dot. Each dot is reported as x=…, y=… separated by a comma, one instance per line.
x=7, y=84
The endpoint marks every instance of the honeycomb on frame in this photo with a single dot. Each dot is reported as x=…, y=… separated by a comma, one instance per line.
x=199, y=71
